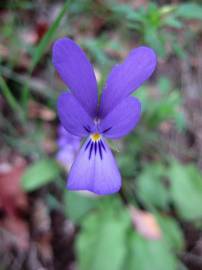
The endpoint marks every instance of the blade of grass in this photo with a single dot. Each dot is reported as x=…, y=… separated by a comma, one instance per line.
x=40, y=49
x=47, y=38
x=36, y=86
x=13, y=103
x=8, y=125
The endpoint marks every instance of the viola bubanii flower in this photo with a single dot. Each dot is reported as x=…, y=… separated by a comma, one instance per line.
x=68, y=146
x=80, y=113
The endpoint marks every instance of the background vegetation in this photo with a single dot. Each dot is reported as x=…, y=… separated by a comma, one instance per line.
x=155, y=221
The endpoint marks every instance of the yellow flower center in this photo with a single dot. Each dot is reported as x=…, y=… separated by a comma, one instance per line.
x=95, y=137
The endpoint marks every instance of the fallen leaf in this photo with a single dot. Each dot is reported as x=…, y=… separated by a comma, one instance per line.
x=18, y=232
x=145, y=223
x=13, y=201
x=11, y=195
x=37, y=110
x=41, y=29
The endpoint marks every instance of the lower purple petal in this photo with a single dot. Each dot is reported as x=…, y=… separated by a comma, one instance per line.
x=122, y=119
x=95, y=170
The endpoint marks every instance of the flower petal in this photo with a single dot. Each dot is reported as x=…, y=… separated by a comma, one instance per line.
x=73, y=117
x=77, y=73
x=122, y=119
x=125, y=78
x=95, y=170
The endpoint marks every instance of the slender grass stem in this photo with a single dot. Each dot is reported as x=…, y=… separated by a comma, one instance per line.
x=12, y=101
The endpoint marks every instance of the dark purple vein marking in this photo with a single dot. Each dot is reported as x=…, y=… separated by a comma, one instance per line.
x=91, y=149
x=102, y=144
x=107, y=129
x=87, y=145
x=100, y=149
x=95, y=148
x=86, y=129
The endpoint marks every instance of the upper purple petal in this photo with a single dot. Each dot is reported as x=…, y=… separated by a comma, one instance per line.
x=122, y=119
x=95, y=170
x=73, y=117
x=77, y=73
x=125, y=78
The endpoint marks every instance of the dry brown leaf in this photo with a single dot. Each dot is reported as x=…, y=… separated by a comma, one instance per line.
x=18, y=231
x=37, y=110
x=29, y=37
x=145, y=223
x=165, y=127
x=4, y=51
x=11, y=194
x=12, y=201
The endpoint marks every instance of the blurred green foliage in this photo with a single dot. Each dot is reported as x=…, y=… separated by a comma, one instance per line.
x=39, y=174
x=152, y=178
x=150, y=22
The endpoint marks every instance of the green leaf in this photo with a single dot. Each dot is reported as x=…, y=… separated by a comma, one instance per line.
x=189, y=11
x=171, y=232
x=150, y=187
x=122, y=10
x=101, y=242
x=47, y=38
x=164, y=110
x=156, y=40
x=149, y=254
x=39, y=174
x=77, y=205
x=186, y=190
x=126, y=164
x=164, y=85
x=173, y=22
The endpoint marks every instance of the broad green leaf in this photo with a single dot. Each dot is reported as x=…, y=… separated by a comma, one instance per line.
x=171, y=232
x=47, y=38
x=147, y=254
x=150, y=186
x=189, y=11
x=163, y=109
x=173, y=22
x=126, y=164
x=40, y=173
x=122, y=10
x=186, y=190
x=77, y=205
x=101, y=242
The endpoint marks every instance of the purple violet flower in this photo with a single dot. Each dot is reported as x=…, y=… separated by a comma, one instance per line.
x=82, y=115
x=68, y=146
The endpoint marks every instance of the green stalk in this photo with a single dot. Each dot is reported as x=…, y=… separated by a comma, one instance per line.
x=40, y=49
x=12, y=101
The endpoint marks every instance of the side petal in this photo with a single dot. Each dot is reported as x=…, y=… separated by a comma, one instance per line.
x=77, y=73
x=73, y=117
x=122, y=119
x=95, y=170
x=125, y=78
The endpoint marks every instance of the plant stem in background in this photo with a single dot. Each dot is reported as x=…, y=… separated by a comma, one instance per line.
x=12, y=101
x=41, y=48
